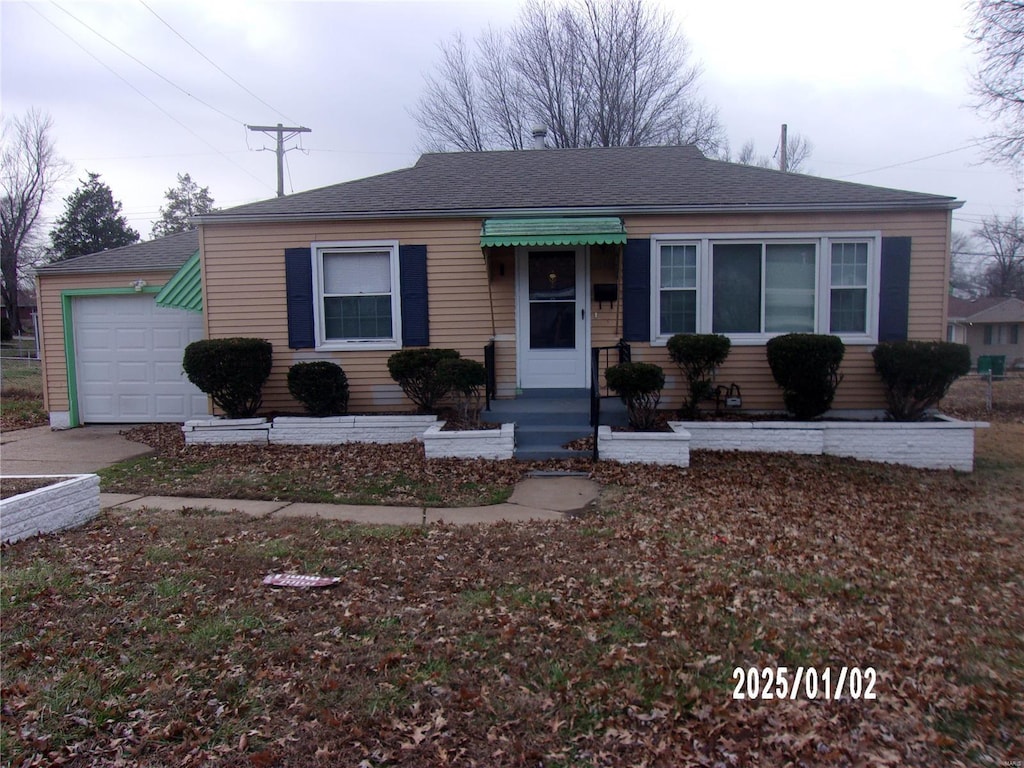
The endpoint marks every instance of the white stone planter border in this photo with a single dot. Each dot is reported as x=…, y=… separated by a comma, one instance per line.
x=671, y=448
x=335, y=430
x=942, y=444
x=469, y=443
x=226, y=431
x=71, y=500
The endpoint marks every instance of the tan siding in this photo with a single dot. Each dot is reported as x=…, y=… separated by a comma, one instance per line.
x=51, y=323
x=242, y=261
x=243, y=282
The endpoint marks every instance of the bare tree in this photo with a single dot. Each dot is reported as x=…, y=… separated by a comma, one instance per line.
x=31, y=170
x=1002, y=243
x=964, y=269
x=592, y=72
x=997, y=29
x=798, y=152
x=448, y=110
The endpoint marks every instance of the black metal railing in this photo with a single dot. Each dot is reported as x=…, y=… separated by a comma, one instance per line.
x=624, y=354
x=491, y=386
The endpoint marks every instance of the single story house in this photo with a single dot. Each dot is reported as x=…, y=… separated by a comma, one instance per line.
x=993, y=325
x=547, y=253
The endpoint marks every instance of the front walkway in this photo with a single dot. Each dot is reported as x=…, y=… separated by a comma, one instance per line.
x=534, y=498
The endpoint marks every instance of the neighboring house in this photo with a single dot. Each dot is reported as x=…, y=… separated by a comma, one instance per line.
x=989, y=326
x=114, y=326
x=26, y=308
x=551, y=253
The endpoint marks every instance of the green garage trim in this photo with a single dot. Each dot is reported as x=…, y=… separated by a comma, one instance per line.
x=583, y=230
x=68, y=320
x=185, y=289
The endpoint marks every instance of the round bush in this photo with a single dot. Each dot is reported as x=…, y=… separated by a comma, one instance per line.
x=698, y=355
x=321, y=386
x=231, y=371
x=917, y=374
x=639, y=385
x=415, y=370
x=463, y=379
x=806, y=366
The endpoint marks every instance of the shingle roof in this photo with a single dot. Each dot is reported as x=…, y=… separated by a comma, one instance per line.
x=989, y=309
x=163, y=253
x=612, y=180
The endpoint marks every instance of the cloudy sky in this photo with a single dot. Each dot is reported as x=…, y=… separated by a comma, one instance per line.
x=879, y=86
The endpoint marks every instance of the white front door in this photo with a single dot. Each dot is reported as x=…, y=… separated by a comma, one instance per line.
x=552, y=309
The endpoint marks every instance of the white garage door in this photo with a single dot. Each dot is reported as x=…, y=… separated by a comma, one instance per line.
x=128, y=354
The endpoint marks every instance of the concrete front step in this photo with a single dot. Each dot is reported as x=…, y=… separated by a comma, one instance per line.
x=547, y=419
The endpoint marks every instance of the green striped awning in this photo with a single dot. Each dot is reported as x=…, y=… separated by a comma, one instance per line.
x=185, y=289
x=581, y=230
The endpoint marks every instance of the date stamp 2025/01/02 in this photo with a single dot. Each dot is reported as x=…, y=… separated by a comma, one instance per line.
x=808, y=683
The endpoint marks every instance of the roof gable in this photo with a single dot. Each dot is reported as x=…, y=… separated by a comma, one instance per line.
x=612, y=180
x=988, y=309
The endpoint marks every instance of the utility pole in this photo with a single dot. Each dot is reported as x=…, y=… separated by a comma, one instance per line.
x=280, y=130
x=784, y=150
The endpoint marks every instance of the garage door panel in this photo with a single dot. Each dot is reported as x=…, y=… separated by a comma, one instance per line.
x=168, y=405
x=169, y=340
x=132, y=372
x=95, y=373
x=138, y=407
x=168, y=371
x=128, y=360
x=91, y=338
x=131, y=340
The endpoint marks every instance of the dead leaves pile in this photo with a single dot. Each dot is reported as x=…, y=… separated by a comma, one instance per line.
x=608, y=640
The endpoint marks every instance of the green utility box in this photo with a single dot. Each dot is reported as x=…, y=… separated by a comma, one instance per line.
x=994, y=364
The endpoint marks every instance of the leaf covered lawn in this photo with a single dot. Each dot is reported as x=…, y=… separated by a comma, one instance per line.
x=605, y=640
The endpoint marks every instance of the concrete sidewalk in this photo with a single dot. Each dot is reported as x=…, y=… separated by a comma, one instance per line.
x=534, y=498
x=43, y=451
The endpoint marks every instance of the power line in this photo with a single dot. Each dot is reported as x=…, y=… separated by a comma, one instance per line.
x=147, y=98
x=909, y=162
x=212, y=63
x=146, y=66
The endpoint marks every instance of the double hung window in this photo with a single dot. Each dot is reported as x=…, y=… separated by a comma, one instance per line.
x=357, y=295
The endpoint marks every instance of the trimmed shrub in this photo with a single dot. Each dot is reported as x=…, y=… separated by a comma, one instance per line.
x=806, y=366
x=415, y=370
x=463, y=378
x=917, y=374
x=639, y=385
x=698, y=355
x=321, y=386
x=231, y=371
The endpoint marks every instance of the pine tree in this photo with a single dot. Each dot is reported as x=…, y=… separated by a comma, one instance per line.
x=91, y=222
x=184, y=201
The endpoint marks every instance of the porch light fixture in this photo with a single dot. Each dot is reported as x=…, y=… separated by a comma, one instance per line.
x=138, y=285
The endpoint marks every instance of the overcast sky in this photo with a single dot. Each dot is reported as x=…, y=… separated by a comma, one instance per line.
x=879, y=86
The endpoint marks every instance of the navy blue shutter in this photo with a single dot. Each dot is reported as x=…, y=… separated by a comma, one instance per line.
x=636, y=290
x=412, y=260
x=894, y=289
x=298, y=280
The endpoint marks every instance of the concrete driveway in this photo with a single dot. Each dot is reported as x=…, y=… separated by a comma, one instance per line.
x=42, y=451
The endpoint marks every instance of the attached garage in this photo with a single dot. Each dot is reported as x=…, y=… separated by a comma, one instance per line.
x=128, y=360
x=114, y=327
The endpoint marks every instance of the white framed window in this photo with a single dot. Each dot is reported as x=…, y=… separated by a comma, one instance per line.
x=357, y=295
x=752, y=287
x=677, y=289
